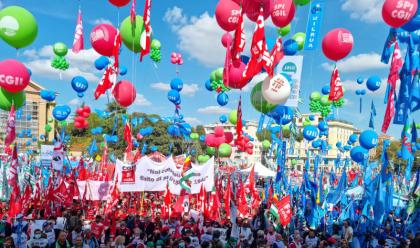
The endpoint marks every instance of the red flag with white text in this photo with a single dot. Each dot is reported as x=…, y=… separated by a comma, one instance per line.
x=78, y=43
x=336, y=88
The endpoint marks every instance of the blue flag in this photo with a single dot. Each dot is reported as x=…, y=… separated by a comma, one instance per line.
x=415, y=93
x=314, y=24
x=379, y=207
x=334, y=195
x=371, y=121
x=389, y=46
x=93, y=147
x=372, y=108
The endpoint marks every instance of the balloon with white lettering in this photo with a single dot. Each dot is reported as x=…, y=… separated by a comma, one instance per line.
x=368, y=139
x=227, y=14
x=79, y=84
x=102, y=39
x=61, y=112
x=373, y=83
x=277, y=89
x=283, y=12
x=397, y=13
x=14, y=76
x=310, y=132
x=337, y=44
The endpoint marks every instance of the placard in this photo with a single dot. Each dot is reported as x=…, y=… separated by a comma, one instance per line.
x=292, y=66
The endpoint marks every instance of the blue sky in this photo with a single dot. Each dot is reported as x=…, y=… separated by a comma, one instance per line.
x=189, y=27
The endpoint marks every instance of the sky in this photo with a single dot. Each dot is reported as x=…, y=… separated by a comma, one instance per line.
x=189, y=27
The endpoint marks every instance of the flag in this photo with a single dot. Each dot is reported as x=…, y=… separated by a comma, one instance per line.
x=274, y=211
x=167, y=202
x=128, y=138
x=108, y=79
x=285, y=210
x=226, y=197
x=26, y=199
x=113, y=197
x=415, y=93
x=372, y=108
x=389, y=43
x=104, y=156
x=334, y=195
x=239, y=120
x=406, y=149
x=133, y=16
x=255, y=198
x=202, y=200
x=241, y=199
x=319, y=193
x=214, y=206
x=15, y=205
x=12, y=173
x=116, y=53
x=93, y=147
x=277, y=53
x=336, y=89
x=78, y=44
x=182, y=204
x=184, y=181
x=11, y=128
x=145, y=36
x=372, y=115
x=239, y=39
x=393, y=77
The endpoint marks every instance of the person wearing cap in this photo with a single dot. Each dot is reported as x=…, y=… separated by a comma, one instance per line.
x=19, y=232
x=37, y=240
x=49, y=231
x=5, y=229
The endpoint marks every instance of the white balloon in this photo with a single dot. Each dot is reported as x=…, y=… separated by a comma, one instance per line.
x=276, y=90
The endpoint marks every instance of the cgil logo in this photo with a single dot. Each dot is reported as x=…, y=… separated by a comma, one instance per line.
x=289, y=67
x=11, y=80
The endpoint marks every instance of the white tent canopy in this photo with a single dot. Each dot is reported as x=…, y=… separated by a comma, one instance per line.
x=260, y=170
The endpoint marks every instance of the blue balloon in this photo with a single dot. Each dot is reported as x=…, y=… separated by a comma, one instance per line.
x=373, y=83
x=34, y=139
x=79, y=84
x=61, y=112
x=363, y=92
x=244, y=59
x=325, y=90
x=358, y=154
x=223, y=118
x=47, y=95
x=311, y=117
x=80, y=95
x=353, y=138
x=28, y=143
x=174, y=96
x=310, y=132
x=42, y=136
x=368, y=139
x=282, y=114
x=28, y=117
x=202, y=138
x=339, y=144
x=177, y=84
x=208, y=85
x=414, y=23
x=290, y=47
x=222, y=99
x=123, y=70
x=316, y=143
x=101, y=62
x=153, y=148
x=358, y=92
x=323, y=126
x=30, y=72
x=359, y=80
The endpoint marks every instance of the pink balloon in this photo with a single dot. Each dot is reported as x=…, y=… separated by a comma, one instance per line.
x=228, y=137
x=219, y=140
x=174, y=60
x=102, y=39
x=252, y=9
x=283, y=12
x=337, y=44
x=173, y=55
x=139, y=136
x=227, y=38
x=180, y=62
x=119, y=3
x=124, y=93
x=397, y=13
x=227, y=14
x=14, y=76
x=218, y=131
x=235, y=75
x=210, y=140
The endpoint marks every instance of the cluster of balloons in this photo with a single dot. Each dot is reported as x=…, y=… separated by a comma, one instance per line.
x=124, y=93
x=101, y=62
x=155, y=54
x=179, y=128
x=96, y=130
x=82, y=113
x=373, y=83
x=131, y=33
x=174, y=94
x=295, y=44
x=14, y=77
x=144, y=132
x=215, y=83
x=176, y=59
x=80, y=85
x=220, y=140
x=59, y=62
x=319, y=103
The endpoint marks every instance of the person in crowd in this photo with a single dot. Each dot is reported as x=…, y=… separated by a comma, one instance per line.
x=61, y=241
x=311, y=241
x=348, y=232
x=19, y=230
x=48, y=230
x=78, y=242
x=9, y=242
x=119, y=241
x=89, y=240
x=98, y=228
x=38, y=240
x=278, y=243
x=5, y=229
x=76, y=233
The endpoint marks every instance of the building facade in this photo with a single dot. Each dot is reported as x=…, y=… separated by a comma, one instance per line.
x=31, y=120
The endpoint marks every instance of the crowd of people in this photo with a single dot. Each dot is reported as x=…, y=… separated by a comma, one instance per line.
x=75, y=229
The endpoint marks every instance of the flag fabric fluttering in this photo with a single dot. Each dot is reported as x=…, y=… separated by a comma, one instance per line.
x=11, y=128
x=78, y=43
x=12, y=173
x=133, y=16
x=239, y=39
x=336, y=88
x=145, y=37
x=128, y=138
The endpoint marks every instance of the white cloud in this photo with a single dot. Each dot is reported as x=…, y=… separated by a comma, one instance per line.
x=75, y=102
x=187, y=90
x=199, y=36
x=141, y=101
x=365, y=11
x=100, y=21
x=256, y=79
x=213, y=110
x=192, y=120
x=358, y=63
x=82, y=64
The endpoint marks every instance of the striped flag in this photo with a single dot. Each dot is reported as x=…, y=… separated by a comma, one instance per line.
x=184, y=181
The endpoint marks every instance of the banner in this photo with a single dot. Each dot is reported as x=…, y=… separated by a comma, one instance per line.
x=46, y=155
x=292, y=66
x=314, y=24
x=149, y=175
x=285, y=210
x=96, y=190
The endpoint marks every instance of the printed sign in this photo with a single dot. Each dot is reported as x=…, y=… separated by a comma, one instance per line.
x=314, y=24
x=292, y=66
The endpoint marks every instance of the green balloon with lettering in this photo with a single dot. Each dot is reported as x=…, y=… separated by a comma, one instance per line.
x=7, y=98
x=18, y=26
x=300, y=39
x=132, y=39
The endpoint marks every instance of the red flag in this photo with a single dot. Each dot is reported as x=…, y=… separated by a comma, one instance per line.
x=26, y=200
x=182, y=204
x=202, y=200
x=336, y=89
x=37, y=194
x=214, y=207
x=277, y=53
x=116, y=52
x=83, y=173
x=12, y=174
x=226, y=197
x=285, y=210
x=128, y=138
x=60, y=193
x=239, y=120
x=255, y=197
x=11, y=128
x=104, y=156
x=78, y=34
x=112, y=198
x=108, y=79
x=241, y=199
x=15, y=203
x=393, y=77
x=145, y=37
x=133, y=14
x=167, y=202
x=240, y=39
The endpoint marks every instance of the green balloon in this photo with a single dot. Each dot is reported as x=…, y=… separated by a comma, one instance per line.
x=325, y=101
x=300, y=39
x=294, y=162
x=18, y=26
x=60, y=49
x=194, y=136
x=155, y=44
x=63, y=123
x=301, y=2
x=219, y=73
x=283, y=31
x=130, y=40
x=50, y=119
x=315, y=96
x=306, y=123
x=233, y=117
x=285, y=127
x=258, y=101
x=213, y=76
x=225, y=150
x=266, y=145
x=210, y=150
x=47, y=128
x=417, y=125
x=102, y=145
x=203, y=158
x=7, y=98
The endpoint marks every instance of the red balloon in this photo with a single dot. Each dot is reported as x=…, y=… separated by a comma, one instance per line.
x=227, y=14
x=80, y=119
x=236, y=70
x=211, y=140
x=119, y=3
x=86, y=109
x=78, y=125
x=102, y=39
x=250, y=145
x=219, y=140
x=79, y=111
x=249, y=151
x=397, y=13
x=227, y=38
x=85, y=114
x=252, y=9
x=283, y=12
x=124, y=93
x=228, y=137
x=337, y=44
x=14, y=76
x=218, y=131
